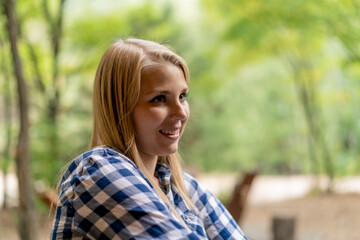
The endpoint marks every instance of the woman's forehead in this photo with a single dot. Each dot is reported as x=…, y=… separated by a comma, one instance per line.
x=163, y=76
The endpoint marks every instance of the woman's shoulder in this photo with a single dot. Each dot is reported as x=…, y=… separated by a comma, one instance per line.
x=198, y=192
x=193, y=185
x=102, y=158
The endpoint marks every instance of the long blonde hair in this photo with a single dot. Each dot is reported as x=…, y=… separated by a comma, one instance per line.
x=117, y=90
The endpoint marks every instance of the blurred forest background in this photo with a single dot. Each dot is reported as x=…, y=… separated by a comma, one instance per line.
x=274, y=84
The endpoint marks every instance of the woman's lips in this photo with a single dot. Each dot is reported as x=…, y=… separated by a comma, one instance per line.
x=173, y=134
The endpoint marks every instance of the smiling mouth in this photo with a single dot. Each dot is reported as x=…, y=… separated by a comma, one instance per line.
x=175, y=132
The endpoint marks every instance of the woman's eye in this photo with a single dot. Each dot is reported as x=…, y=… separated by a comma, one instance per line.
x=158, y=99
x=183, y=96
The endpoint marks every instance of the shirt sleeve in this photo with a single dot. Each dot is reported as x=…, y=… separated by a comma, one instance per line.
x=111, y=199
x=218, y=222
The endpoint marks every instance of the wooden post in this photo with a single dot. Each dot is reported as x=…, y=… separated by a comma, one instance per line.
x=283, y=228
x=237, y=201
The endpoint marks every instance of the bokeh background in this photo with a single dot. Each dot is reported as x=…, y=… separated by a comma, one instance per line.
x=274, y=90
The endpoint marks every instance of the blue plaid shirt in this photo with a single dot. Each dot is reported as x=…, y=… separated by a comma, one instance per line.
x=104, y=195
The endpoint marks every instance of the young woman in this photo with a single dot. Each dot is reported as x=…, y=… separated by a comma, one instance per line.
x=130, y=184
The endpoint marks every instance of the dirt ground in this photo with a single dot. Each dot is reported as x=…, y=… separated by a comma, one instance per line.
x=317, y=217
x=8, y=225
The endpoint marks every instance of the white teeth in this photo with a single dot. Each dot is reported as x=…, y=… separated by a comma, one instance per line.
x=170, y=132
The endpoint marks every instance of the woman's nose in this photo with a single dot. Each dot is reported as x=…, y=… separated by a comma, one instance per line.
x=180, y=111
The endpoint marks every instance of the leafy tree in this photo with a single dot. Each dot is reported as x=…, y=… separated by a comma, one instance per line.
x=26, y=207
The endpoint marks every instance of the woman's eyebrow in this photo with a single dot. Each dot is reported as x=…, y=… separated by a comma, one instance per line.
x=160, y=91
x=157, y=91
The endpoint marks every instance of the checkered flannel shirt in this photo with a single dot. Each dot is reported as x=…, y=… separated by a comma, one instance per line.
x=104, y=195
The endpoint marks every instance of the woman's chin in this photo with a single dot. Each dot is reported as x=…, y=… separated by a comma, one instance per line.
x=170, y=150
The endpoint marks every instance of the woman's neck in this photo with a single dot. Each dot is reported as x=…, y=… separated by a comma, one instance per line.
x=150, y=164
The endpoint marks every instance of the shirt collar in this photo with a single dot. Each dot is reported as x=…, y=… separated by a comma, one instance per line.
x=163, y=173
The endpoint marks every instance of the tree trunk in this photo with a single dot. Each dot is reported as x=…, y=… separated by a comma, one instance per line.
x=55, y=25
x=304, y=101
x=26, y=207
x=306, y=94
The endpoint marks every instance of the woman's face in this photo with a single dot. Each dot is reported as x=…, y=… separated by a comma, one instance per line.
x=161, y=112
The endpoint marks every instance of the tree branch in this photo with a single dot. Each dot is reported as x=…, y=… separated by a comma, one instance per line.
x=35, y=64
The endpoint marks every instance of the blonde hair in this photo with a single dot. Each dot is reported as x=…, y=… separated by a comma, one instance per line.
x=117, y=90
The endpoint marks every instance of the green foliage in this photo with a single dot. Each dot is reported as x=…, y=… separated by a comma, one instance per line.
x=313, y=47
x=242, y=137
